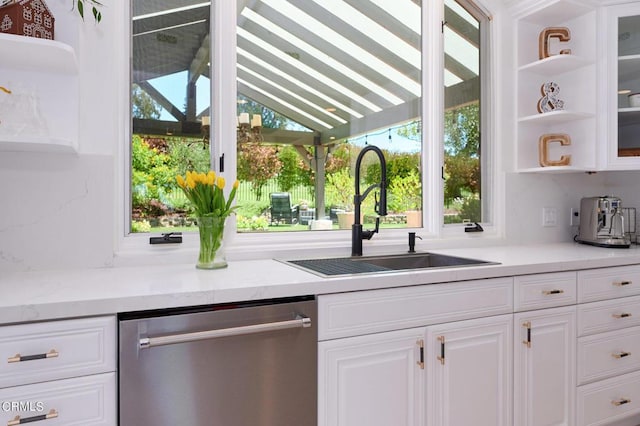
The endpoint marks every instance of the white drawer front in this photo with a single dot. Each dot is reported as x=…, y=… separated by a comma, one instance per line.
x=608, y=354
x=81, y=401
x=604, y=402
x=608, y=283
x=608, y=315
x=544, y=290
x=75, y=348
x=351, y=314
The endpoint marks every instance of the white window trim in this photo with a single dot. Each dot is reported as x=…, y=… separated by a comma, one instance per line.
x=135, y=249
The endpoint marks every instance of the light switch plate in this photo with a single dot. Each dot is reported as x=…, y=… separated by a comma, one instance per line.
x=549, y=216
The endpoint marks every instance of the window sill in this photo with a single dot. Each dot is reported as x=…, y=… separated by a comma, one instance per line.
x=135, y=249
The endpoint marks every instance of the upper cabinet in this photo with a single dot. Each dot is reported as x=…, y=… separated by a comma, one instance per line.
x=556, y=86
x=39, y=89
x=621, y=75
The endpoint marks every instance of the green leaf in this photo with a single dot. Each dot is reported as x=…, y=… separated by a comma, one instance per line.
x=81, y=8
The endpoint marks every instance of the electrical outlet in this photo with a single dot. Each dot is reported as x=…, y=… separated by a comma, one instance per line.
x=575, y=217
x=549, y=216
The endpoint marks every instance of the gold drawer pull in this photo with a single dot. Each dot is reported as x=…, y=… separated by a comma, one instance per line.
x=621, y=283
x=21, y=358
x=623, y=315
x=18, y=421
x=621, y=402
x=550, y=292
x=621, y=355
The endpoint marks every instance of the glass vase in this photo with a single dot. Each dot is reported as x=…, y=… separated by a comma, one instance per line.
x=211, y=255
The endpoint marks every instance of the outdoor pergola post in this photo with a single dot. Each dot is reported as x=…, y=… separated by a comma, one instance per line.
x=319, y=155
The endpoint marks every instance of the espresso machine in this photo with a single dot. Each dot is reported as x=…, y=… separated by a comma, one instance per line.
x=602, y=222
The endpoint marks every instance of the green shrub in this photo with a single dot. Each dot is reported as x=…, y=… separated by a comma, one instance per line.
x=255, y=223
x=405, y=193
x=140, y=226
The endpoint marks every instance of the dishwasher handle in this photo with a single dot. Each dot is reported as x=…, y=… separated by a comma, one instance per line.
x=299, y=322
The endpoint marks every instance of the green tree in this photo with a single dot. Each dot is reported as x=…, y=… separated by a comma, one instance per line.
x=339, y=189
x=462, y=130
x=189, y=154
x=399, y=165
x=257, y=164
x=294, y=170
x=143, y=105
x=412, y=131
x=462, y=152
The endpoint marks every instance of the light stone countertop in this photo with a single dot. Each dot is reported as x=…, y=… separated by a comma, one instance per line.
x=44, y=295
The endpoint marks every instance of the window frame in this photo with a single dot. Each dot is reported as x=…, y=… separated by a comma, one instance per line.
x=223, y=140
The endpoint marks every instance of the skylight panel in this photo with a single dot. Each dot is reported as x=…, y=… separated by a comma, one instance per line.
x=285, y=103
x=330, y=101
x=292, y=94
x=461, y=50
x=451, y=79
x=462, y=12
x=306, y=69
x=344, y=44
x=321, y=56
x=373, y=30
x=170, y=11
x=173, y=27
x=405, y=11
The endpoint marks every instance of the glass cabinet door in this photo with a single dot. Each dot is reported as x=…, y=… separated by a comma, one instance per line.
x=629, y=86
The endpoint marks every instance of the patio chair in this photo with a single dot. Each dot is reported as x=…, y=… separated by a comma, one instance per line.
x=281, y=209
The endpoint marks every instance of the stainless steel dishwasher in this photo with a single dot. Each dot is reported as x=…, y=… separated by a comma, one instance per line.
x=249, y=364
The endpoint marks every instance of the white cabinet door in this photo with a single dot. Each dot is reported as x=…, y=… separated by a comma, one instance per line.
x=622, y=110
x=373, y=380
x=544, y=367
x=469, y=367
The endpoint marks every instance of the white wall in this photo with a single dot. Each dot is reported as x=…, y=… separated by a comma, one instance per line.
x=57, y=210
x=61, y=211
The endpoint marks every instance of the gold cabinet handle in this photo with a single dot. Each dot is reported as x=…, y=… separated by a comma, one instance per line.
x=621, y=283
x=621, y=355
x=550, y=292
x=621, y=401
x=441, y=356
x=527, y=325
x=420, y=344
x=622, y=315
x=21, y=358
x=18, y=421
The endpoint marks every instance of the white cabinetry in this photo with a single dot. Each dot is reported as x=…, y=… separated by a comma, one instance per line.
x=608, y=360
x=469, y=372
x=59, y=370
x=575, y=75
x=545, y=349
x=375, y=351
x=622, y=76
x=374, y=380
x=544, y=367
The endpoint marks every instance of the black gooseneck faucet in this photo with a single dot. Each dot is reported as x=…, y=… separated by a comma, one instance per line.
x=357, y=233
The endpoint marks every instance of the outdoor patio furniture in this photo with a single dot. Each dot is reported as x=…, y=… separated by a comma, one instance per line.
x=281, y=209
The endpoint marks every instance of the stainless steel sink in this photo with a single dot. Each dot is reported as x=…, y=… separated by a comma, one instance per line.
x=336, y=266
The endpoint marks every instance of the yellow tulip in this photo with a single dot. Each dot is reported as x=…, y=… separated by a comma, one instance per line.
x=180, y=181
x=211, y=178
x=191, y=183
x=220, y=182
x=236, y=184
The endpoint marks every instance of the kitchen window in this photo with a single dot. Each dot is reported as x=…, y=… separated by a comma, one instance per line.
x=315, y=82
